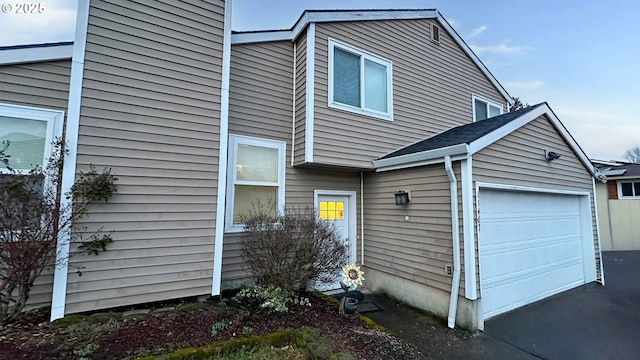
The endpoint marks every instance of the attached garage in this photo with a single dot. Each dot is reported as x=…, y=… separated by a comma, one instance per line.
x=502, y=214
x=532, y=245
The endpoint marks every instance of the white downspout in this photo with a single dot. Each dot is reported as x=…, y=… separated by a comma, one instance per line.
x=455, y=234
x=361, y=218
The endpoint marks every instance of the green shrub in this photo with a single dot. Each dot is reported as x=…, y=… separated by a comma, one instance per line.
x=268, y=299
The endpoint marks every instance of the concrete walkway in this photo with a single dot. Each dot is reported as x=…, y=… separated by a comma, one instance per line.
x=589, y=322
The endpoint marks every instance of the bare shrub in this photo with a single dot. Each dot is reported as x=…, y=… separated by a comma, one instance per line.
x=288, y=250
x=32, y=219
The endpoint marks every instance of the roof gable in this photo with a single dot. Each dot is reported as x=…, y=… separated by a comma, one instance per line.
x=463, y=141
x=465, y=134
x=322, y=16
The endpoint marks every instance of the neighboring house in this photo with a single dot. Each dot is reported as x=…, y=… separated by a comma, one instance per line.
x=619, y=205
x=341, y=112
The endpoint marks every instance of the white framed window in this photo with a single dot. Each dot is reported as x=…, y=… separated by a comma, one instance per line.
x=30, y=132
x=629, y=189
x=359, y=82
x=484, y=109
x=26, y=137
x=256, y=177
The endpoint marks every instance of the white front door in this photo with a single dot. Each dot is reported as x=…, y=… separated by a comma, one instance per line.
x=337, y=209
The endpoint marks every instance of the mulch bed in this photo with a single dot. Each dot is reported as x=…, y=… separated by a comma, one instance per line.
x=32, y=337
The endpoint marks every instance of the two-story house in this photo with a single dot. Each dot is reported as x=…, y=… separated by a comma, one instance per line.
x=385, y=121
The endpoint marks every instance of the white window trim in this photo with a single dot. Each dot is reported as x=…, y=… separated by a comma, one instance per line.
x=619, y=184
x=487, y=102
x=373, y=58
x=234, y=141
x=53, y=118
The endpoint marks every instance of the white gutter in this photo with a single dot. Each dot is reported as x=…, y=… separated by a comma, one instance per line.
x=224, y=144
x=428, y=157
x=455, y=234
x=361, y=218
x=61, y=272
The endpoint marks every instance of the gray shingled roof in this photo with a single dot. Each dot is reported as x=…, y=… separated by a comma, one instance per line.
x=464, y=134
x=631, y=170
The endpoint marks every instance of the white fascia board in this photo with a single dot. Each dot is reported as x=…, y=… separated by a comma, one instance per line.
x=259, y=37
x=443, y=22
x=329, y=16
x=570, y=140
x=36, y=54
x=457, y=152
x=505, y=130
x=617, y=172
x=514, y=125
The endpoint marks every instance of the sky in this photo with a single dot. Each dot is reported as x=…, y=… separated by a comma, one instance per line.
x=580, y=56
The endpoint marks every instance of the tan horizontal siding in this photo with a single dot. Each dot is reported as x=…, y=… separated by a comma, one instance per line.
x=416, y=249
x=42, y=85
x=432, y=89
x=301, y=99
x=261, y=107
x=151, y=112
x=519, y=159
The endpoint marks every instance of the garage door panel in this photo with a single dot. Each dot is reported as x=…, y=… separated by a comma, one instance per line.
x=530, y=247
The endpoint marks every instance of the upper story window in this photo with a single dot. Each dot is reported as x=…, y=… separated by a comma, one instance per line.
x=484, y=109
x=629, y=189
x=359, y=82
x=256, y=178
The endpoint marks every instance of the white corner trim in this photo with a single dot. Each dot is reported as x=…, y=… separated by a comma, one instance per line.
x=457, y=152
x=60, y=277
x=595, y=206
x=293, y=102
x=470, y=278
x=309, y=97
x=224, y=149
x=36, y=54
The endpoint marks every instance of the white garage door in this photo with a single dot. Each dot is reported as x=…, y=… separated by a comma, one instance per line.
x=530, y=247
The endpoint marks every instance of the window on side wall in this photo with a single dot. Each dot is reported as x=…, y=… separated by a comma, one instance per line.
x=256, y=178
x=629, y=189
x=484, y=109
x=26, y=138
x=359, y=82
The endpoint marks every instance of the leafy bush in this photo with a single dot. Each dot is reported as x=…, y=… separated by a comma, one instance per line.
x=288, y=250
x=269, y=300
x=33, y=219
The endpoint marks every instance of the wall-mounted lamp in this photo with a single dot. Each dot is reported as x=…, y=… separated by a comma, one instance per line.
x=550, y=156
x=402, y=198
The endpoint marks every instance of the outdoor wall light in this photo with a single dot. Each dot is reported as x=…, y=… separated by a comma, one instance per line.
x=552, y=156
x=402, y=198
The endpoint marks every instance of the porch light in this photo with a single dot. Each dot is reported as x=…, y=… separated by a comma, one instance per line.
x=402, y=198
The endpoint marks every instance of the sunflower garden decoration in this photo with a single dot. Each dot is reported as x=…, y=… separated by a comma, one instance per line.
x=351, y=278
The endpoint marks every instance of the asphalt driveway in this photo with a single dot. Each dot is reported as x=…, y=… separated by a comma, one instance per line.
x=588, y=322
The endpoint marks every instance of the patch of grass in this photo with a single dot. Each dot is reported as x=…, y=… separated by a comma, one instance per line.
x=370, y=323
x=190, y=307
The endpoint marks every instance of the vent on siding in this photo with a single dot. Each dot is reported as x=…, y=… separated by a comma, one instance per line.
x=435, y=33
